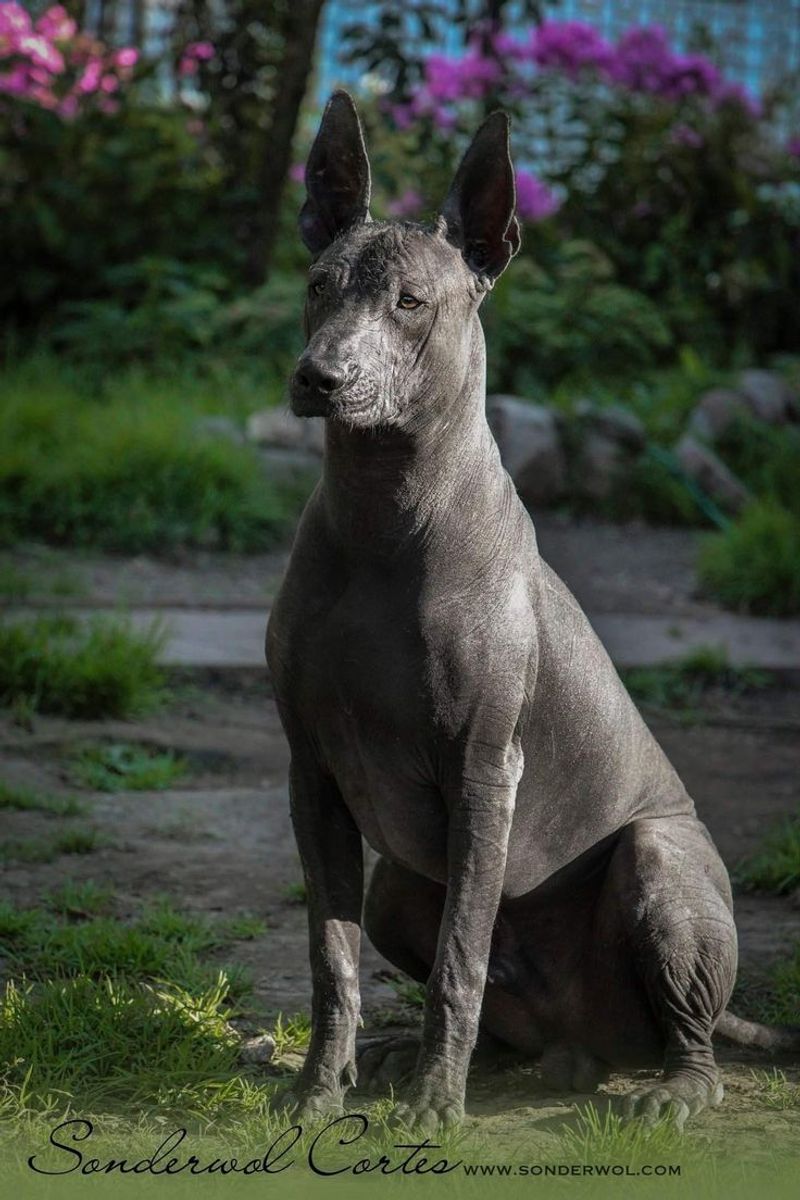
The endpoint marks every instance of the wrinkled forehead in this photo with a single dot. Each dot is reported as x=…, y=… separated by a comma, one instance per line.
x=371, y=256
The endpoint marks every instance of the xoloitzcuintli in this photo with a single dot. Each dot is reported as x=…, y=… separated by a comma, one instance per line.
x=542, y=868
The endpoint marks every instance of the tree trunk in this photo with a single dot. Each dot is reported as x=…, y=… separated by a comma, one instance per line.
x=300, y=36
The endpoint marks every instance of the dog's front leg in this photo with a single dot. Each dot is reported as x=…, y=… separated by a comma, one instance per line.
x=479, y=824
x=330, y=850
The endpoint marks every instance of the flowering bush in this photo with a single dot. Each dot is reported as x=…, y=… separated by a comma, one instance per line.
x=670, y=168
x=53, y=65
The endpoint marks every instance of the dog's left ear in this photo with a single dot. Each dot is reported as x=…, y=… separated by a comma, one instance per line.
x=337, y=176
x=479, y=209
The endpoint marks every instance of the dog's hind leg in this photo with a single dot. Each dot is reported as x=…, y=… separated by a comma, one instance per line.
x=673, y=901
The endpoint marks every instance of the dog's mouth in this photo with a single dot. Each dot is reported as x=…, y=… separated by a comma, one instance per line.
x=340, y=407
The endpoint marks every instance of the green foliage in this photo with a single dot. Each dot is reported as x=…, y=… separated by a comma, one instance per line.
x=120, y=766
x=83, y=196
x=25, y=800
x=567, y=314
x=101, y=668
x=766, y=458
x=163, y=310
x=295, y=893
x=135, y=474
x=775, y=867
x=754, y=566
x=776, y=1092
x=784, y=1000
x=291, y=1034
x=682, y=685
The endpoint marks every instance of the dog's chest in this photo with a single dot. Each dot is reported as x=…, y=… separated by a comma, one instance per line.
x=355, y=674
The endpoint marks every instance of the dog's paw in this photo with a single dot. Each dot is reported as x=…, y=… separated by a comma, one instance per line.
x=428, y=1114
x=674, y=1100
x=386, y=1062
x=307, y=1106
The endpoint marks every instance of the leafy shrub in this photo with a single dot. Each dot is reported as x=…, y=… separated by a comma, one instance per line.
x=118, y=766
x=99, y=669
x=567, y=315
x=754, y=565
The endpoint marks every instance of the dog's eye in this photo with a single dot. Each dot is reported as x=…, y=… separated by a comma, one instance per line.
x=408, y=301
x=317, y=287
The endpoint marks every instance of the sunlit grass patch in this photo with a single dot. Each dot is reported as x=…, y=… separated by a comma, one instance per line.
x=603, y=1136
x=23, y=799
x=291, y=1034
x=754, y=566
x=122, y=766
x=134, y=472
x=101, y=668
x=775, y=867
x=775, y=1091
x=295, y=893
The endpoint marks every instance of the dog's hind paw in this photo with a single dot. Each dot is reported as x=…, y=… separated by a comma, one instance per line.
x=673, y=1099
x=386, y=1062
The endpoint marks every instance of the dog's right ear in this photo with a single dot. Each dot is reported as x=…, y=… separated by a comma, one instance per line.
x=337, y=176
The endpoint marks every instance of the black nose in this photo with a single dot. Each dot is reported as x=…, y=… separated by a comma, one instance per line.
x=319, y=377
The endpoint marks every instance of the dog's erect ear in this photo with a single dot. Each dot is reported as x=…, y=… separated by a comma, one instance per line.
x=337, y=176
x=479, y=209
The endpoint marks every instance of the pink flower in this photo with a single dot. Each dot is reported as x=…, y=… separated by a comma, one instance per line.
x=15, y=82
x=735, y=93
x=202, y=51
x=127, y=57
x=14, y=21
x=68, y=106
x=90, y=79
x=109, y=84
x=39, y=51
x=571, y=46
x=56, y=24
x=406, y=205
x=535, y=200
x=187, y=67
x=297, y=172
x=793, y=147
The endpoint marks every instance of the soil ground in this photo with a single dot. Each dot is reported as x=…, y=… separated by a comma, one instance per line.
x=222, y=841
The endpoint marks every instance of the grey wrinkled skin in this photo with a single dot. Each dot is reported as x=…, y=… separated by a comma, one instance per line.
x=542, y=867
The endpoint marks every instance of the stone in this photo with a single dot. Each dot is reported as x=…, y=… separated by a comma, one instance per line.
x=715, y=412
x=284, y=464
x=256, y=1051
x=613, y=422
x=768, y=396
x=600, y=463
x=710, y=473
x=529, y=439
x=279, y=427
x=220, y=427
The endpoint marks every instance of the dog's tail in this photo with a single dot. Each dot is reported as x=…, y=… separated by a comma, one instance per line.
x=775, y=1038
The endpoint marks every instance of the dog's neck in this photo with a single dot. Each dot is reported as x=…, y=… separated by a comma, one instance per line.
x=387, y=490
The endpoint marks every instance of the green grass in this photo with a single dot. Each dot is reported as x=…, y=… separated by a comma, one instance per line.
x=15, y=584
x=295, y=893
x=409, y=991
x=122, y=766
x=775, y=1090
x=292, y=1035
x=45, y=850
x=775, y=867
x=79, y=899
x=681, y=686
x=754, y=566
x=26, y=800
x=103, y=668
x=129, y=471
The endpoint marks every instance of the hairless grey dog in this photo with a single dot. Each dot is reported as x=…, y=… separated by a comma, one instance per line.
x=542, y=867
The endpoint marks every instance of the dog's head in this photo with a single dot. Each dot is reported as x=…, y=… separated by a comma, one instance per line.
x=390, y=304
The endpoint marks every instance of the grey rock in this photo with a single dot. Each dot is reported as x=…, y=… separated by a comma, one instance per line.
x=601, y=462
x=280, y=428
x=612, y=422
x=289, y=464
x=220, y=427
x=768, y=396
x=529, y=439
x=715, y=412
x=709, y=471
x=257, y=1050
